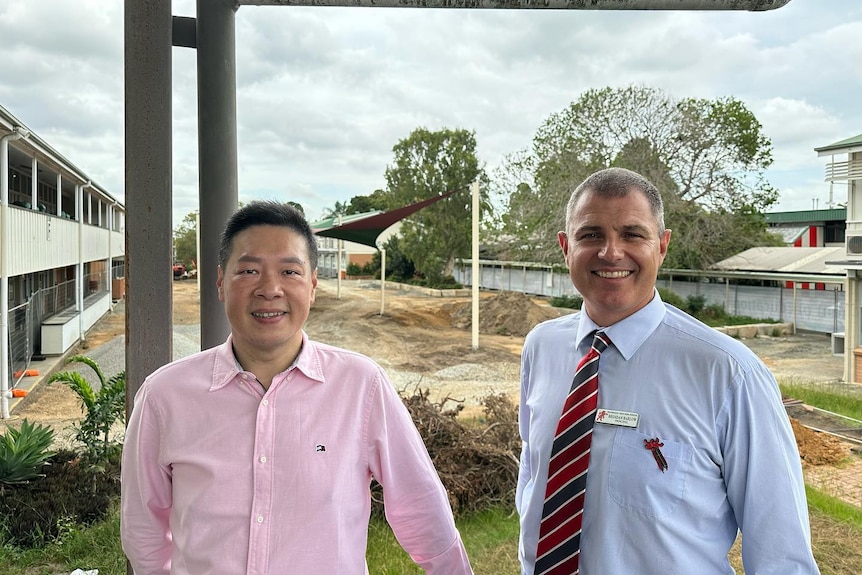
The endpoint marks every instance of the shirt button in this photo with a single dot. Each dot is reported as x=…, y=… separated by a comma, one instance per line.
x=260, y=518
x=265, y=402
x=263, y=458
x=244, y=376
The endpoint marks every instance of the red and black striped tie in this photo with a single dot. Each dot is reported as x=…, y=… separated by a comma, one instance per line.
x=560, y=530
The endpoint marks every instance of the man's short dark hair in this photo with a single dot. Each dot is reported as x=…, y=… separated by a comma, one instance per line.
x=266, y=213
x=616, y=183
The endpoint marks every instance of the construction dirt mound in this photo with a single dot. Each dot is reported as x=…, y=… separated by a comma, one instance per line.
x=506, y=313
x=816, y=448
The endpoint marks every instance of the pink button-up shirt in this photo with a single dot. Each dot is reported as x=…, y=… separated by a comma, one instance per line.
x=220, y=476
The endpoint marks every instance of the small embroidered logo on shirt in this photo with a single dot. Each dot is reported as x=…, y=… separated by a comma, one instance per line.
x=320, y=447
x=653, y=445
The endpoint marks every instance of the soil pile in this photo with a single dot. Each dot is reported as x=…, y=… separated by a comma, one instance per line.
x=507, y=313
x=817, y=448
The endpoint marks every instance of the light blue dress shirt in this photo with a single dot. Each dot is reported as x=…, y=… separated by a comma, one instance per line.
x=732, y=459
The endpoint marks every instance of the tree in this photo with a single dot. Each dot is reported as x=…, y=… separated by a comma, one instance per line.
x=364, y=204
x=376, y=201
x=707, y=157
x=296, y=205
x=186, y=241
x=426, y=164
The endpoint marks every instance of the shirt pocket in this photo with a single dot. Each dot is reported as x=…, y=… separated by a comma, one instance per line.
x=635, y=481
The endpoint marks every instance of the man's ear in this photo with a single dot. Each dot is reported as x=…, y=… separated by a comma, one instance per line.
x=564, y=242
x=219, y=284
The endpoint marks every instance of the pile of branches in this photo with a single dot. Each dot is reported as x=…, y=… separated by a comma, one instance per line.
x=476, y=461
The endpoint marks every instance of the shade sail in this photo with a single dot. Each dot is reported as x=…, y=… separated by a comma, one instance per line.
x=366, y=230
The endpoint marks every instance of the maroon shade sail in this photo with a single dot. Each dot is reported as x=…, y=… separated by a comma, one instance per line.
x=367, y=230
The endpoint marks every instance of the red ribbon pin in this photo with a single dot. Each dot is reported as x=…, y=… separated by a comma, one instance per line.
x=653, y=445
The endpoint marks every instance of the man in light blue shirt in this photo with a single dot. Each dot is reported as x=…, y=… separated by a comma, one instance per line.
x=694, y=445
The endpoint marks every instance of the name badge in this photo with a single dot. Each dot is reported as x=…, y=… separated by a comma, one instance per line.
x=613, y=417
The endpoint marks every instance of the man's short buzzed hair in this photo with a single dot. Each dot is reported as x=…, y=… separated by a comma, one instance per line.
x=617, y=183
x=266, y=213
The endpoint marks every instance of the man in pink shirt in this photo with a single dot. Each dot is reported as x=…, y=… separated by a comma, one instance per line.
x=257, y=456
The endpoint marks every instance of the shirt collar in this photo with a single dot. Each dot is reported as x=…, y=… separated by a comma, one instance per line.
x=628, y=334
x=226, y=366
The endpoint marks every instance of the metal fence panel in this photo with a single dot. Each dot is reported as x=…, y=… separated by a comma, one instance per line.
x=810, y=310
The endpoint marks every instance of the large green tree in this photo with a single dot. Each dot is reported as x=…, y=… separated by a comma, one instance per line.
x=358, y=205
x=185, y=241
x=427, y=164
x=708, y=158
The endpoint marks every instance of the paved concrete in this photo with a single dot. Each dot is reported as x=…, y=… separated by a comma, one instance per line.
x=110, y=356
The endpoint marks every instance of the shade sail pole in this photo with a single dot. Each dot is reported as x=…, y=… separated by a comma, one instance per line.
x=382, y=279
x=475, y=264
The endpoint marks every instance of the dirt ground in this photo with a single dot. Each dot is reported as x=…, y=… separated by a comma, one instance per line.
x=426, y=342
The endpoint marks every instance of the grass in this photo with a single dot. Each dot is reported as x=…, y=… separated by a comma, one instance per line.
x=833, y=507
x=490, y=536
x=96, y=547
x=829, y=399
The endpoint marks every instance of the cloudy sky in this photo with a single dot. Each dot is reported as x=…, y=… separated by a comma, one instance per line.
x=325, y=93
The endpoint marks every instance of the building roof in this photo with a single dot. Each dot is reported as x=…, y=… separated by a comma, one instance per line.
x=841, y=147
x=806, y=216
x=789, y=233
x=785, y=260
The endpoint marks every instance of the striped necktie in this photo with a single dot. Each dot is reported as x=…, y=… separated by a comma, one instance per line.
x=562, y=514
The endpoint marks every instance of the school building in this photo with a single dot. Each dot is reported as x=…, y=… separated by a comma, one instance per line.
x=62, y=252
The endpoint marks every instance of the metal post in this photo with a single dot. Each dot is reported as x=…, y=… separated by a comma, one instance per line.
x=218, y=194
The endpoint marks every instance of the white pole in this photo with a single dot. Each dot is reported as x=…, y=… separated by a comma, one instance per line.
x=338, y=266
x=475, y=265
x=382, y=278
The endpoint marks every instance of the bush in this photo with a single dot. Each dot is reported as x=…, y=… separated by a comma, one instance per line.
x=695, y=303
x=398, y=266
x=24, y=452
x=567, y=301
x=101, y=409
x=70, y=493
x=353, y=269
x=670, y=297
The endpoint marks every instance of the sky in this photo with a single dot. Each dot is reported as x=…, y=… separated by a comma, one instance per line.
x=324, y=93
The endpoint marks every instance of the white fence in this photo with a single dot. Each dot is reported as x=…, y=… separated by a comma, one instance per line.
x=810, y=310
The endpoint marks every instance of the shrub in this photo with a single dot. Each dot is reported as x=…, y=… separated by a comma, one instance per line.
x=353, y=269
x=24, y=452
x=399, y=267
x=567, y=301
x=101, y=409
x=673, y=299
x=711, y=313
x=69, y=493
x=695, y=303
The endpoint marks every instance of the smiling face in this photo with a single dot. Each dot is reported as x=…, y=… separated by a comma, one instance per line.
x=613, y=249
x=267, y=286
